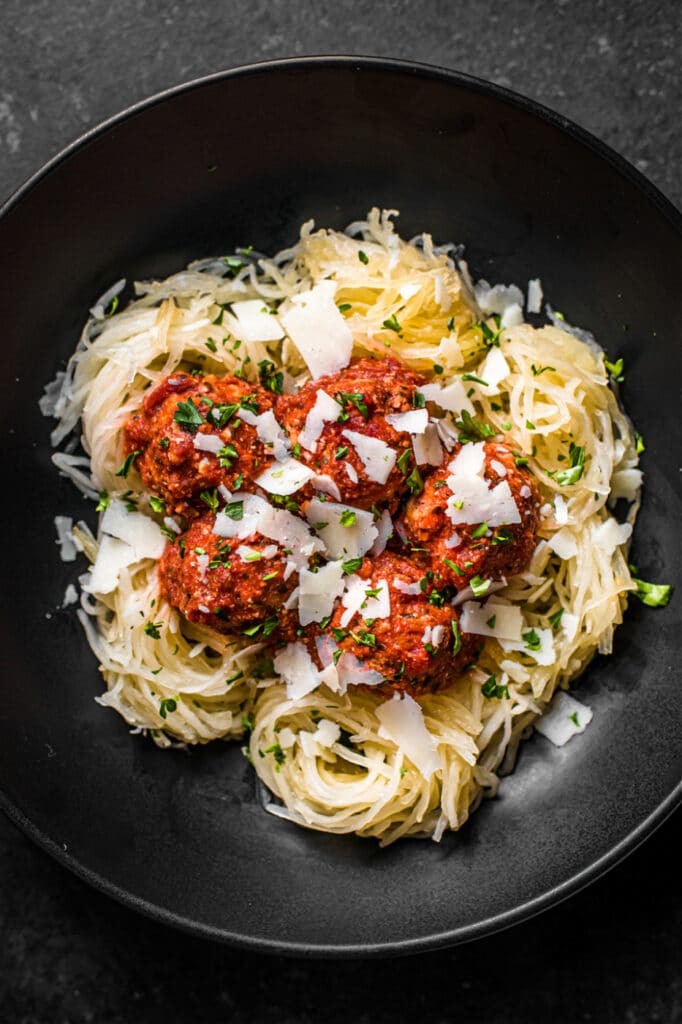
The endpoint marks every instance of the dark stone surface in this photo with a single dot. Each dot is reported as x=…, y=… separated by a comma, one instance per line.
x=611, y=953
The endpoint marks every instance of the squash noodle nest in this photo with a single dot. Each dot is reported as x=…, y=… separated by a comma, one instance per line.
x=324, y=756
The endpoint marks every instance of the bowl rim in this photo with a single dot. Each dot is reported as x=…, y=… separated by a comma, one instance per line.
x=531, y=907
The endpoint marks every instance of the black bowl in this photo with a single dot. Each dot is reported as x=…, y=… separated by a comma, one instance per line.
x=244, y=157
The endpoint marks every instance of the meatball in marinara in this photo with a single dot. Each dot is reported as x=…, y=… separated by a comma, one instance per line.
x=190, y=438
x=232, y=586
x=450, y=518
x=418, y=646
x=337, y=425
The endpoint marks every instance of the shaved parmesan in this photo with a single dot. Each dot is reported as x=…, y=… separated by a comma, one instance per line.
x=285, y=477
x=385, y=532
x=256, y=322
x=625, y=483
x=569, y=624
x=325, y=410
x=354, y=672
x=377, y=457
x=342, y=541
x=407, y=291
x=609, y=535
x=427, y=448
x=297, y=669
x=492, y=370
x=534, y=301
x=357, y=599
x=479, y=502
x=70, y=596
x=564, y=719
x=498, y=298
x=67, y=545
x=327, y=733
x=208, y=443
x=411, y=589
x=560, y=510
x=453, y=541
x=351, y=472
x=450, y=352
x=136, y=529
x=112, y=556
x=268, y=430
x=414, y=422
x=512, y=316
x=563, y=543
x=326, y=485
x=318, y=330
x=544, y=656
x=258, y=516
x=402, y=722
x=318, y=592
x=494, y=618
x=452, y=397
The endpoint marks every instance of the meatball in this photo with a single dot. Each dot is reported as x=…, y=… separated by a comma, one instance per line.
x=173, y=462
x=365, y=392
x=460, y=552
x=236, y=586
x=418, y=647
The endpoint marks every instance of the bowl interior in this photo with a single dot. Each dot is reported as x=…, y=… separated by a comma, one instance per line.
x=245, y=158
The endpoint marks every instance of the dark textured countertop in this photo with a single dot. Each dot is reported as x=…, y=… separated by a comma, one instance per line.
x=609, y=954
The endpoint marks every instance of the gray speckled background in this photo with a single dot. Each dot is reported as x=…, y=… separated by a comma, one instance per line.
x=610, y=954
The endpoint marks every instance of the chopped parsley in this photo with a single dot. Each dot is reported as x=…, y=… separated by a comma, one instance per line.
x=341, y=452
x=490, y=623
x=532, y=640
x=278, y=754
x=363, y=257
x=555, y=620
x=639, y=444
x=457, y=636
x=127, y=463
x=226, y=455
x=392, y=324
x=453, y=565
x=530, y=425
x=348, y=517
x=355, y=398
x=344, y=307
x=157, y=504
x=364, y=638
x=415, y=482
x=418, y=400
x=574, y=719
x=537, y=370
x=339, y=634
x=167, y=706
x=153, y=629
x=655, y=595
x=479, y=586
x=480, y=531
x=270, y=377
x=234, y=510
x=188, y=416
x=403, y=460
x=351, y=565
x=502, y=537
x=103, y=501
x=615, y=369
x=564, y=477
x=211, y=345
x=210, y=498
x=491, y=688
x=475, y=379
x=471, y=429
